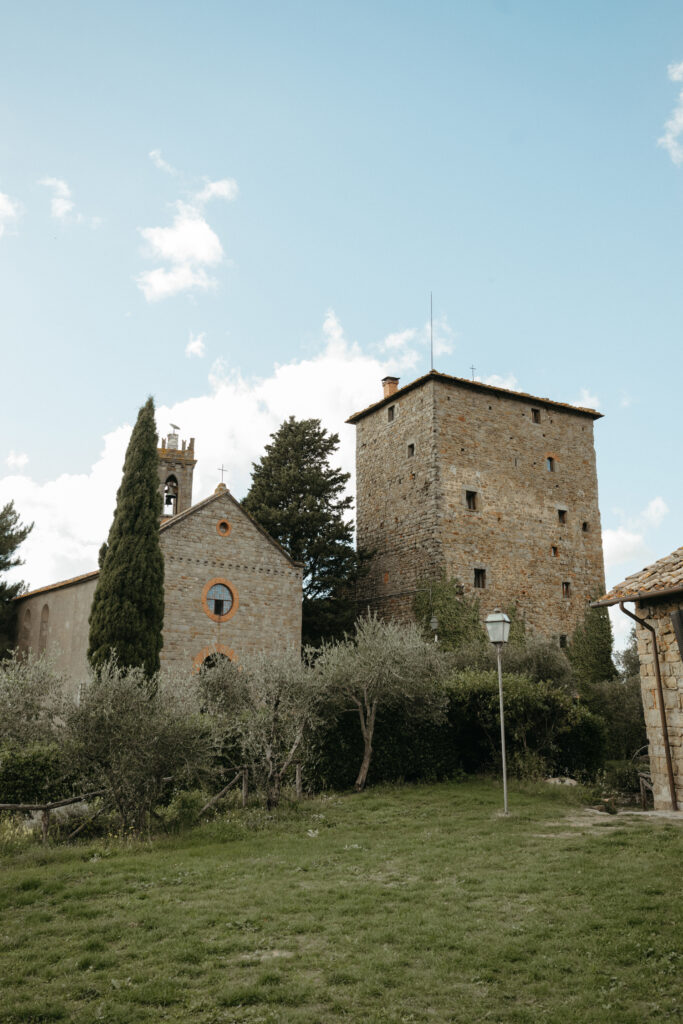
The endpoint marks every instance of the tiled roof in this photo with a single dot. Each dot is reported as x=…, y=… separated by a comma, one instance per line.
x=657, y=580
x=62, y=583
x=474, y=385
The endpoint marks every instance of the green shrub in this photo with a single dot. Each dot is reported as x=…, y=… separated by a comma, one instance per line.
x=33, y=774
x=619, y=704
x=183, y=809
x=547, y=731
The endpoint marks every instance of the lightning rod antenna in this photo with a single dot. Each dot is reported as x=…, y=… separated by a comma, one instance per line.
x=431, y=333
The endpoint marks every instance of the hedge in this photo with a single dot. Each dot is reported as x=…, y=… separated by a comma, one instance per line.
x=547, y=731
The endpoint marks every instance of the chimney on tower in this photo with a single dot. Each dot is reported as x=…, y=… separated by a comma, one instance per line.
x=390, y=386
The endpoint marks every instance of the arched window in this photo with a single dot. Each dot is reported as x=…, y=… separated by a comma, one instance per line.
x=170, y=496
x=25, y=641
x=213, y=660
x=44, y=622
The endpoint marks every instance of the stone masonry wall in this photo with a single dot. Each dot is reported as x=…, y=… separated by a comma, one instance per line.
x=267, y=585
x=490, y=444
x=412, y=509
x=396, y=507
x=56, y=621
x=671, y=668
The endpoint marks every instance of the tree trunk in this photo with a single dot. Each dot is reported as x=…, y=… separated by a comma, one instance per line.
x=368, y=731
x=273, y=788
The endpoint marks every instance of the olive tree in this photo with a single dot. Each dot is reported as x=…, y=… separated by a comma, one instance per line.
x=136, y=739
x=382, y=665
x=269, y=707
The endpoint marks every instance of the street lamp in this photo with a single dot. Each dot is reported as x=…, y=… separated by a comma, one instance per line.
x=498, y=629
x=434, y=626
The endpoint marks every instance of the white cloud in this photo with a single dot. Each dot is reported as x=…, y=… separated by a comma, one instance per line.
x=10, y=210
x=17, y=460
x=196, y=346
x=655, y=512
x=231, y=423
x=161, y=283
x=188, y=241
x=61, y=204
x=673, y=128
x=226, y=188
x=412, y=345
x=623, y=545
x=159, y=162
x=189, y=245
x=496, y=381
x=399, y=340
x=586, y=400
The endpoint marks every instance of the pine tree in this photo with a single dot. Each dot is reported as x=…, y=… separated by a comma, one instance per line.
x=127, y=613
x=12, y=534
x=590, y=648
x=298, y=498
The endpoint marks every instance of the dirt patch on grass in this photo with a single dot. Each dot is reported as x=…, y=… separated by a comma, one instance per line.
x=590, y=820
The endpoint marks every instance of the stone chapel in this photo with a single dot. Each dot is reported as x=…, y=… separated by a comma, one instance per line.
x=229, y=588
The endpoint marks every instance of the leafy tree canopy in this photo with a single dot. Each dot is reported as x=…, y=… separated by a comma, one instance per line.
x=299, y=499
x=12, y=533
x=127, y=613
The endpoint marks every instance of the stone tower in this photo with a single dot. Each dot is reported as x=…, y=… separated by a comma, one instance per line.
x=493, y=487
x=176, y=466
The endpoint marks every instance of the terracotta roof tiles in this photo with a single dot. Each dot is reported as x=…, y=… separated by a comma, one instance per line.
x=662, y=577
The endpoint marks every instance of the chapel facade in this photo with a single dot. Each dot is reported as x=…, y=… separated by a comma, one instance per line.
x=492, y=487
x=229, y=588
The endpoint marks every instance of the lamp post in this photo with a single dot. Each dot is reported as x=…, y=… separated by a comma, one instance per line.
x=434, y=626
x=498, y=629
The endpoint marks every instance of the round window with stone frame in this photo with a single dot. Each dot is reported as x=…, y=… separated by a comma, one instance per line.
x=219, y=600
x=223, y=528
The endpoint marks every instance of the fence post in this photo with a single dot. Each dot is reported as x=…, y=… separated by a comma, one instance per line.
x=245, y=786
x=45, y=822
x=299, y=788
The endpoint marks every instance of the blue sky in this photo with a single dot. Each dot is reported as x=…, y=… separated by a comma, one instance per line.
x=315, y=170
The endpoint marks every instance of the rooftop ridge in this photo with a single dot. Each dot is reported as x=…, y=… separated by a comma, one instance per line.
x=477, y=386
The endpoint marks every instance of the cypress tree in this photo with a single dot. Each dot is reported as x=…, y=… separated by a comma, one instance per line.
x=590, y=648
x=127, y=613
x=12, y=533
x=298, y=497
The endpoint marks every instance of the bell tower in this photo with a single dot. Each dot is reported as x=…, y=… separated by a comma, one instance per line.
x=176, y=466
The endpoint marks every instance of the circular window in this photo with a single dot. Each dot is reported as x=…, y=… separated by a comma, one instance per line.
x=219, y=600
x=223, y=528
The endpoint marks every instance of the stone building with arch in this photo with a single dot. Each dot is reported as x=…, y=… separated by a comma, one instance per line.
x=229, y=588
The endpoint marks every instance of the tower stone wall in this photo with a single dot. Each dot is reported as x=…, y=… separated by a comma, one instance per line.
x=491, y=487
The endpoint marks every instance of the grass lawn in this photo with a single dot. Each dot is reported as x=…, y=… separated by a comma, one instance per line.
x=419, y=903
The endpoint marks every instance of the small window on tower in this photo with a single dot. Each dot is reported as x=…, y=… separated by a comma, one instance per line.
x=391, y=411
x=411, y=450
x=566, y=589
x=563, y=639
x=550, y=464
x=536, y=415
x=471, y=500
x=480, y=578
x=553, y=551
x=562, y=515
x=584, y=527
